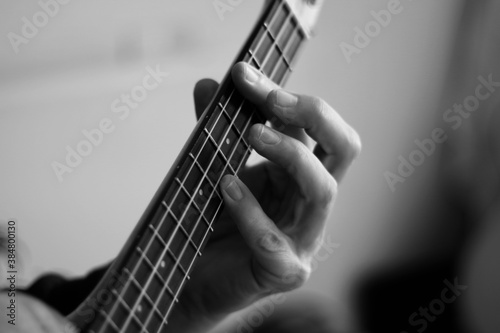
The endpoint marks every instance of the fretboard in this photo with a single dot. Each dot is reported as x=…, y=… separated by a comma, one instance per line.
x=144, y=283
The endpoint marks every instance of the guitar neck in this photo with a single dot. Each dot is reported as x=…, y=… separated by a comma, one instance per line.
x=144, y=283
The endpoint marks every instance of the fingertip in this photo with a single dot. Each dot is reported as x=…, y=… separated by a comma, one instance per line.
x=254, y=133
x=232, y=187
x=203, y=93
x=205, y=86
x=241, y=72
x=238, y=71
x=251, y=83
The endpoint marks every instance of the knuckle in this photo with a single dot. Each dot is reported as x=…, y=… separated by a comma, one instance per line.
x=295, y=277
x=329, y=193
x=319, y=107
x=332, y=189
x=318, y=104
x=272, y=243
x=303, y=153
x=271, y=99
x=301, y=156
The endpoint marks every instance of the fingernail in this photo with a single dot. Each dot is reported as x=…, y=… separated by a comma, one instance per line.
x=251, y=74
x=285, y=99
x=234, y=191
x=268, y=136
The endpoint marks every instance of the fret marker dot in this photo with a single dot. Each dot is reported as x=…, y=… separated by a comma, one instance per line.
x=200, y=191
x=162, y=264
x=228, y=141
x=139, y=308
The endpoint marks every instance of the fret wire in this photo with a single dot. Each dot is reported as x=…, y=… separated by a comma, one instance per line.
x=151, y=303
x=195, y=162
x=138, y=285
x=177, y=263
x=211, y=222
x=297, y=32
x=252, y=56
x=195, y=204
x=213, y=191
x=174, y=232
x=208, y=179
x=276, y=38
x=297, y=26
x=239, y=131
x=155, y=232
x=235, y=116
x=267, y=32
x=206, y=233
x=222, y=174
x=176, y=294
x=148, y=299
x=186, y=233
x=287, y=42
x=273, y=45
x=142, y=293
x=127, y=307
x=228, y=99
x=108, y=320
x=218, y=148
x=290, y=42
x=218, y=208
x=164, y=251
x=170, y=240
x=113, y=309
x=204, y=144
x=279, y=7
x=294, y=27
x=151, y=265
x=214, y=187
x=230, y=127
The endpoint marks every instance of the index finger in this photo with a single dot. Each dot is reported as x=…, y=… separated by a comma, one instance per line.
x=338, y=143
x=256, y=88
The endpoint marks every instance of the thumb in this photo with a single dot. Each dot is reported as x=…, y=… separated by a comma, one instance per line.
x=204, y=90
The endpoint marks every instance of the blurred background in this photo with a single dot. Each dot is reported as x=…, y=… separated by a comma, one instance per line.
x=64, y=79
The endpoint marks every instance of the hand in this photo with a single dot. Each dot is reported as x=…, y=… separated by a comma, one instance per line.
x=271, y=228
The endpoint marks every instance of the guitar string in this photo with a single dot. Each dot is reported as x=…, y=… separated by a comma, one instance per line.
x=236, y=147
x=208, y=138
x=288, y=19
x=182, y=183
x=227, y=165
x=218, y=150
